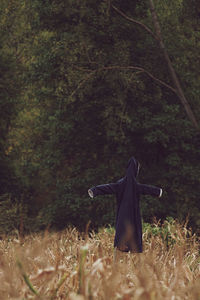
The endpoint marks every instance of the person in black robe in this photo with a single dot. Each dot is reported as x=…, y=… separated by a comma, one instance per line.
x=128, y=225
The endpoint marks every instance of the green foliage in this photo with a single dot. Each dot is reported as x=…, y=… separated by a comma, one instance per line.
x=9, y=91
x=62, y=211
x=9, y=215
x=168, y=232
x=81, y=111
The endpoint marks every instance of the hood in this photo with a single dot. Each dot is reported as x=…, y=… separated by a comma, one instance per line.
x=132, y=168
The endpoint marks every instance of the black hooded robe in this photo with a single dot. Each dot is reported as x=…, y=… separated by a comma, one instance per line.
x=128, y=225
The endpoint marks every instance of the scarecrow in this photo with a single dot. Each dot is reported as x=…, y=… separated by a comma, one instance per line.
x=128, y=225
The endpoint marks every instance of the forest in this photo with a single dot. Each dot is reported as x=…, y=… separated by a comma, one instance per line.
x=85, y=85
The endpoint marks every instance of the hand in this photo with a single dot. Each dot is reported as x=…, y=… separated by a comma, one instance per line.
x=90, y=192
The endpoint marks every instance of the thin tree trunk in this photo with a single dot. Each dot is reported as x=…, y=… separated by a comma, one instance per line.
x=175, y=79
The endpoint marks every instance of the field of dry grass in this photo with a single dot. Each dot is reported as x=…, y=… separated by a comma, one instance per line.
x=74, y=266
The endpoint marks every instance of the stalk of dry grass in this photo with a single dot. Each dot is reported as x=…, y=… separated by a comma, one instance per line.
x=73, y=266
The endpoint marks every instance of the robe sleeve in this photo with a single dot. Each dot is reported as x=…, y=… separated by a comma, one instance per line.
x=103, y=189
x=149, y=190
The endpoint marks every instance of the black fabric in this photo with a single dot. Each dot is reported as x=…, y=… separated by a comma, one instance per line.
x=128, y=225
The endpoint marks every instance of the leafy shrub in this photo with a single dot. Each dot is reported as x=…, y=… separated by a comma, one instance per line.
x=168, y=231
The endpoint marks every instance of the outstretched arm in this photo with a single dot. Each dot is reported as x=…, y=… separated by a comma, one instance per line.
x=103, y=189
x=149, y=190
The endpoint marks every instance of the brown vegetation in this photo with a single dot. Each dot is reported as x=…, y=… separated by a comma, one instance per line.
x=74, y=266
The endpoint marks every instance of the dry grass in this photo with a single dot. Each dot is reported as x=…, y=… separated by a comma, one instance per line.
x=68, y=265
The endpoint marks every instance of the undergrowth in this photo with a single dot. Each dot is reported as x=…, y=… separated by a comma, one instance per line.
x=76, y=266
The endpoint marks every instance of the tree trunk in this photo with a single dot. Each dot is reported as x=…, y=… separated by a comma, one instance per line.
x=175, y=79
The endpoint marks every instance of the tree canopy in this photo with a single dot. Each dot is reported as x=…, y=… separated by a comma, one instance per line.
x=85, y=86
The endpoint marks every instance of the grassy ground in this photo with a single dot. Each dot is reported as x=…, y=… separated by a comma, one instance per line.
x=74, y=266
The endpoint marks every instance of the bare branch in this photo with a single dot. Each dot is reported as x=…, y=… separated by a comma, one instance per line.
x=134, y=21
x=139, y=69
x=82, y=82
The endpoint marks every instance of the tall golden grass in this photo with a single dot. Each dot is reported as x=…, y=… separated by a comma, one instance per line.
x=75, y=266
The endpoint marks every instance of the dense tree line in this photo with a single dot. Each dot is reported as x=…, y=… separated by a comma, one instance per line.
x=84, y=86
